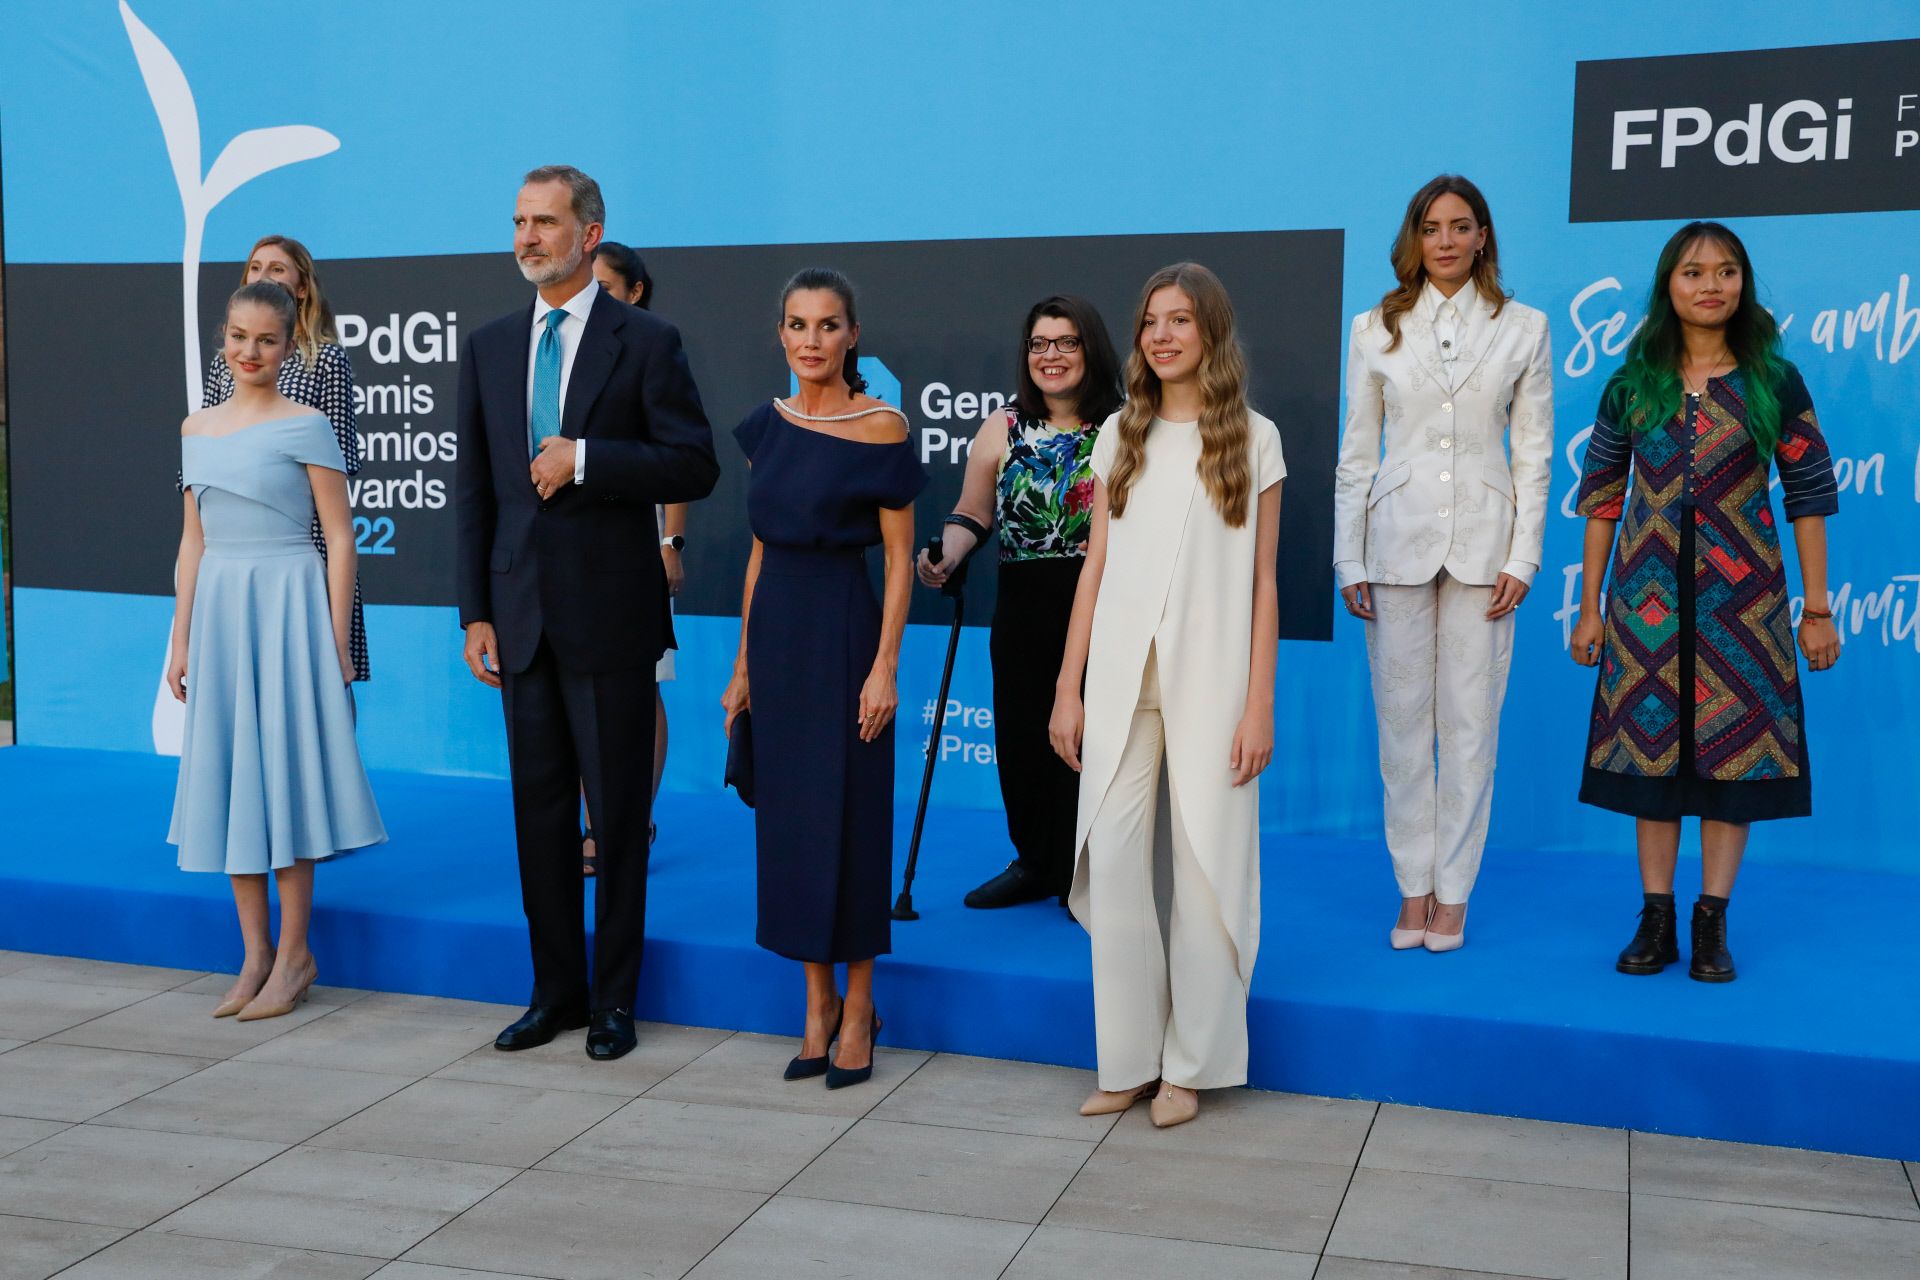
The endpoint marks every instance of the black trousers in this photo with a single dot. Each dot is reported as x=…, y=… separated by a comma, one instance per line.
x=1029, y=635
x=564, y=729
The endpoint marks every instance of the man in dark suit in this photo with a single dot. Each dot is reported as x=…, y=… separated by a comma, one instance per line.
x=576, y=416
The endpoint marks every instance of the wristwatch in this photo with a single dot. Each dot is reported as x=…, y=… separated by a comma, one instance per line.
x=677, y=541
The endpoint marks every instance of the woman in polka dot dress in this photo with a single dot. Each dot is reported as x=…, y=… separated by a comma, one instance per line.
x=317, y=374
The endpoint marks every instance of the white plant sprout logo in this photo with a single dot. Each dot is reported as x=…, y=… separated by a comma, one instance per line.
x=243, y=159
x=246, y=157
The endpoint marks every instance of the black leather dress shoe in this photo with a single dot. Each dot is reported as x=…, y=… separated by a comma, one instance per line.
x=1017, y=884
x=1712, y=962
x=610, y=1035
x=1654, y=946
x=538, y=1026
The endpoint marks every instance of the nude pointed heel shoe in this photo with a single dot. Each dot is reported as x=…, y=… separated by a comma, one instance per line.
x=1174, y=1105
x=1437, y=942
x=1105, y=1102
x=255, y=1010
x=1407, y=939
x=227, y=1008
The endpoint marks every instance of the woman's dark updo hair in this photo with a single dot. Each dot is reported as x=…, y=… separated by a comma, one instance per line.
x=842, y=288
x=631, y=268
x=273, y=296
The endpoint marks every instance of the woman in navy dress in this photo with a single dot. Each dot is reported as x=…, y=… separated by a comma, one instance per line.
x=833, y=474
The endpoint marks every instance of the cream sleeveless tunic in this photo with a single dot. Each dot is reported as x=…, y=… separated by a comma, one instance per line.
x=1178, y=581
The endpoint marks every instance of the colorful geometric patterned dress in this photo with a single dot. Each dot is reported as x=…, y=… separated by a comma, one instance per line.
x=1734, y=747
x=1044, y=511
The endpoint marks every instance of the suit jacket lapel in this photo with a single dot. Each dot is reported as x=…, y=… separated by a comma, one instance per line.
x=1479, y=334
x=504, y=374
x=592, y=363
x=1416, y=333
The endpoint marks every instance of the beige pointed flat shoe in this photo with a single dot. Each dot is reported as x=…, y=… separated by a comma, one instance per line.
x=1105, y=1102
x=1174, y=1105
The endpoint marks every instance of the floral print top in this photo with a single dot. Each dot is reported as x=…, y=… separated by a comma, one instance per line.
x=1045, y=507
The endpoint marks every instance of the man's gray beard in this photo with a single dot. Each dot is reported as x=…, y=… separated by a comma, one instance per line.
x=557, y=269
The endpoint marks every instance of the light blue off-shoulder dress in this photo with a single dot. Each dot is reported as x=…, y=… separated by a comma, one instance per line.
x=269, y=769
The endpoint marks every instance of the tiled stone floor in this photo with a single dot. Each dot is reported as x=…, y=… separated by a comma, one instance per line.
x=381, y=1135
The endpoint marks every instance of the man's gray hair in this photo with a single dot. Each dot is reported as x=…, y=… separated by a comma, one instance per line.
x=587, y=204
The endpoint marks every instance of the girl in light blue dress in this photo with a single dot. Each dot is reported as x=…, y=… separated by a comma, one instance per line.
x=270, y=775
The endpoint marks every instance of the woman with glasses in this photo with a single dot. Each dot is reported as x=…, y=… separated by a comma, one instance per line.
x=1031, y=472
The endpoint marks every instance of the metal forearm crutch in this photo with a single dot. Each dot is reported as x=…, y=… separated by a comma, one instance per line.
x=955, y=589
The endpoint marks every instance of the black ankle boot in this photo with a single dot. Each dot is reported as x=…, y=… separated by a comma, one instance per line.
x=1712, y=962
x=1654, y=944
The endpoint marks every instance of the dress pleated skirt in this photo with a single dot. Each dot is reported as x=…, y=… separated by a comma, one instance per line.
x=269, y=769
x=823, y=814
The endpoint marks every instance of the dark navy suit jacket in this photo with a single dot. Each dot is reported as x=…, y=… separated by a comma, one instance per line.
x=582, y=568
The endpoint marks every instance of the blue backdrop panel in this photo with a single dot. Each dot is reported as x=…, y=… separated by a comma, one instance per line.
x=1280, y=118
x=1522, y=1022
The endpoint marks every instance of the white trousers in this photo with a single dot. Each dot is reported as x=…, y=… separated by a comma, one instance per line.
x=1164, y=1007
x=1439, y=677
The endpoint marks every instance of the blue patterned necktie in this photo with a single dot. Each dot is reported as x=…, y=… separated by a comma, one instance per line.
x=544, y=417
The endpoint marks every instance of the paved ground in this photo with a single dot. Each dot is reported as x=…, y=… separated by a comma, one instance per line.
x=380, y=1135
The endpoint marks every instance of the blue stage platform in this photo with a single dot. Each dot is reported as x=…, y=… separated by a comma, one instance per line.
x=1817, y=1045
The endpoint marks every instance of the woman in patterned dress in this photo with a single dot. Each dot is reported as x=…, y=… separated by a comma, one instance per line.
x=1031, y=469
x=317, y=374
x=1698, y=710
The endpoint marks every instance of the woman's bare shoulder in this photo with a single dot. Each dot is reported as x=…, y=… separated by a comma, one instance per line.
x=883, y=423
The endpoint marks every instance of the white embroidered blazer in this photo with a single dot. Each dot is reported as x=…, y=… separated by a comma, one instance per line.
x=1446, y=456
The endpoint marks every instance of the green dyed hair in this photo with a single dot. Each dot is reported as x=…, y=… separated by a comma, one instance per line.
x=1647, y=390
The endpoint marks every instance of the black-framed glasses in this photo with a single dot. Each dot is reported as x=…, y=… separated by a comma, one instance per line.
x=1065, y=346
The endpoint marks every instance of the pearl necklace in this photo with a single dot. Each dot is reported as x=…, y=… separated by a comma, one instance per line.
x=837, y=417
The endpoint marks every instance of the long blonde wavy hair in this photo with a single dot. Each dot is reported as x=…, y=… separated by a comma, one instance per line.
x=315, y=315
x=1225, y=428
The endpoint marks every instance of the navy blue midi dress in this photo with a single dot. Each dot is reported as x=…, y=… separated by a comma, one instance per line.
x=823, y=814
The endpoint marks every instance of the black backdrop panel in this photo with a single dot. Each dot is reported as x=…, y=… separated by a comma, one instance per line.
x=95, y=456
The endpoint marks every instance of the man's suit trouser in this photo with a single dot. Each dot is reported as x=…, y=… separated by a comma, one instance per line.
x=1169, y=1007
x=564, y=729
x=1439, y=675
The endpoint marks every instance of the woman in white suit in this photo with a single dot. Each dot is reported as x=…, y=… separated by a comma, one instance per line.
x=1437, y=531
